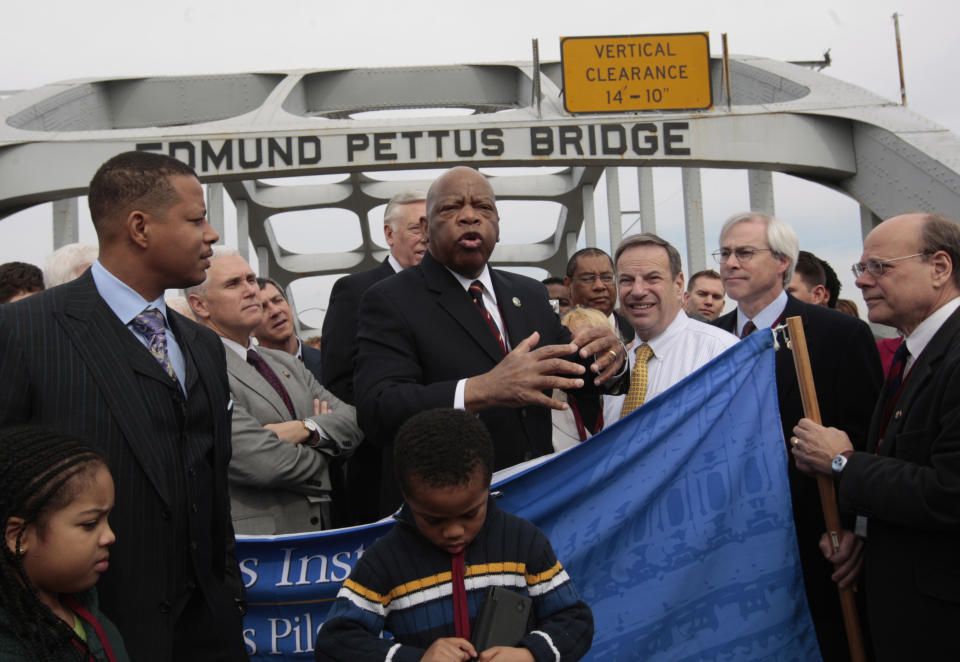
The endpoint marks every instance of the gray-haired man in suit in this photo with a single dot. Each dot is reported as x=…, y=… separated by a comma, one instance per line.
x=286, y=426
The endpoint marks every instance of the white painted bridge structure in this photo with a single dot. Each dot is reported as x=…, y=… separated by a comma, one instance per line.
x=242, y=131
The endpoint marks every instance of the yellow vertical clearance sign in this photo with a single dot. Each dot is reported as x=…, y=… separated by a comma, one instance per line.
x=636, y=72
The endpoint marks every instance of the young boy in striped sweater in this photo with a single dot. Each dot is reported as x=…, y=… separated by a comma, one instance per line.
x=424, y=582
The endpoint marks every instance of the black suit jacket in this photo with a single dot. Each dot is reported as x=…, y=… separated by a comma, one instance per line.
x=312, y=360
x=847, y=375
x=420, y=333
x=908, y=485
x=361, y=502
x=339, y=331
x=66, y=361
x=626, y=330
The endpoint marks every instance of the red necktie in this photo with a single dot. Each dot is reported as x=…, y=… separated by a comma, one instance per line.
x=254, y=359
x=748, y=328
x=461, y=611
x=476, y=291
x=894, y=385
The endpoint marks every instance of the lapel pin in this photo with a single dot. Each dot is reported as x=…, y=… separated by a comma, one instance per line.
x=897, y=415
x=285, y=373
x=516, y=302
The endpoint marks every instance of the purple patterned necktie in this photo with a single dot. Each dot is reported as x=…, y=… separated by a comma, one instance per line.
x=254, y=359
x=150, y=324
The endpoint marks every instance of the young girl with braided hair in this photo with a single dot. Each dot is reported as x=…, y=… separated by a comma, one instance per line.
x=55, y=497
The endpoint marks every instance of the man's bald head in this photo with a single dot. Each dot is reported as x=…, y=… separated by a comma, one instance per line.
x=457, y=173
x=910, y=269
x=463, y=225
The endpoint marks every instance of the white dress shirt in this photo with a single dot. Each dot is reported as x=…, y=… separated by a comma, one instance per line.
x=393, y=263
x=921, y=336
x=681, y=349
x=767, y=317
x=490, y=302
x=236, y=347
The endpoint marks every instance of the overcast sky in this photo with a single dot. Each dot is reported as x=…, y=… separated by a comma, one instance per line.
x=53, y=40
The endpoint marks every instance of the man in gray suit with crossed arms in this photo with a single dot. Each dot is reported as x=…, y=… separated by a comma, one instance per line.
x=285, y=425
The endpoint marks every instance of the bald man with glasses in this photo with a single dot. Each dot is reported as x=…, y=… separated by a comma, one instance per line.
x=905, y=485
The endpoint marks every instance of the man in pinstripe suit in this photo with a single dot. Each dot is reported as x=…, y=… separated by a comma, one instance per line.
x=104, y=357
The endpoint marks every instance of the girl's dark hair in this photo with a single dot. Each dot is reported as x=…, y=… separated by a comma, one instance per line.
x=39, y=466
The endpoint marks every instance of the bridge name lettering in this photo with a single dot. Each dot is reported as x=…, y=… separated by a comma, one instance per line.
x=440, y=146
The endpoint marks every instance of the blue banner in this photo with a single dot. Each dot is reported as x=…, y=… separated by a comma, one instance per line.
x=674, y=523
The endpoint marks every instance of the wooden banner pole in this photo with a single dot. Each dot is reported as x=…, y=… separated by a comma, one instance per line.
x=828, y=498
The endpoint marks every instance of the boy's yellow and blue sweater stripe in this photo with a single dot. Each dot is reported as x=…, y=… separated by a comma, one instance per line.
x=402, y=586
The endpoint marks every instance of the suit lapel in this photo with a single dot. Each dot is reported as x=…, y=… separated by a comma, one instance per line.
x=254, y=382
x=920, y=374
x=186, y=338
x=453, y=299
x=786, y=370
x=511, y=309
x=104, y=345
x=728, y=322
x=385, y=269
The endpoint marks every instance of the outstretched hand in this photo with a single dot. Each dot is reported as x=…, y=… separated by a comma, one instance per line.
x=522, y=376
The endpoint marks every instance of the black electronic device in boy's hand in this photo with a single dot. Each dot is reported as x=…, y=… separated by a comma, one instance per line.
x=502, y=619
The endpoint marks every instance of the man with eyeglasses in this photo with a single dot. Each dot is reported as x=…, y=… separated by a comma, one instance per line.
x=757, y=257
x=593, y=285
x=906, y=482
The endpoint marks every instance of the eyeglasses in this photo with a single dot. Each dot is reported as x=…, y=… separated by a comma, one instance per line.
x=875, y=267
x=588, y=279
x=742, y=254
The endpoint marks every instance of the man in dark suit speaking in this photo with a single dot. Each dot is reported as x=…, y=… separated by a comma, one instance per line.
x=906, y=482
x=102, y=356
x=757, y=256
x=453, y=332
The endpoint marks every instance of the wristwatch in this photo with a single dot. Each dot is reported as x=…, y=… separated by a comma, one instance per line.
x=314, y=431
x=839, y=462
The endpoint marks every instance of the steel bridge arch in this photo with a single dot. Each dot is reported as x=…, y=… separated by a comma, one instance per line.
x=241, y=129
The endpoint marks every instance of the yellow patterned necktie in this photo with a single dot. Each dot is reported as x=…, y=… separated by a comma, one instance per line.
x=638, y=381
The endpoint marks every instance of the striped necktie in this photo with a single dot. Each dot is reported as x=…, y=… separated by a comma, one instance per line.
x=476, y=291
x=748, y=328
x=638, y=381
